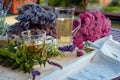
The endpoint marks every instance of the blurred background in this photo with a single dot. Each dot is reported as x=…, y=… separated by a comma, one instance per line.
x=103, y=5
x=111, y=8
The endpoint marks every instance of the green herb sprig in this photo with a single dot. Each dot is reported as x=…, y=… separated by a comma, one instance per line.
x=16, y=56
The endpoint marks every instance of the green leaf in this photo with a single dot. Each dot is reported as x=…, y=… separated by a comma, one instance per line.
x=5, y=52
x=11, y=46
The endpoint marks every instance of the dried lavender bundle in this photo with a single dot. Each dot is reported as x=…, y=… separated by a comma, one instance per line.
x=32, y=16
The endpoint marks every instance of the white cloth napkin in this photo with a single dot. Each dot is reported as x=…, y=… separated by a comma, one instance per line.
x=98, y=43
x=105, y=65
x=111, y=49
x=99, y=69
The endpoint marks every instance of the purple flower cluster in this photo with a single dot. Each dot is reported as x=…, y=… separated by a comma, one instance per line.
x=67, y=48
x=34, y=74
x=94, y=25
x=78, y=42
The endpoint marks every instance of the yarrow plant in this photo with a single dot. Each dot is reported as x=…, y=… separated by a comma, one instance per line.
x=92, y=25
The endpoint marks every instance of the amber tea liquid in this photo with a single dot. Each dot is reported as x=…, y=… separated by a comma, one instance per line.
x=34, y=47
x=64, y=30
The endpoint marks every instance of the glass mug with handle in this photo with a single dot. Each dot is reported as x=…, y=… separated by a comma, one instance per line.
x=64, y=25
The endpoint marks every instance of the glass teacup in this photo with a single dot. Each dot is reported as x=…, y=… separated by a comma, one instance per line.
x=34, y=41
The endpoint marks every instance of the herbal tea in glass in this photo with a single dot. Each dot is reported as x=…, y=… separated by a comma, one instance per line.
x=64, y=25
x=34, y=41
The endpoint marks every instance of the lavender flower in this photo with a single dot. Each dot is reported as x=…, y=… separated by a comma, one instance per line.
x=55, y=64
x=4, y=9
x=67, y=48
x=35, y=73
x=3, y=12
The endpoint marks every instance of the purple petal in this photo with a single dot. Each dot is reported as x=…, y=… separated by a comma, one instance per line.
x=55, y=64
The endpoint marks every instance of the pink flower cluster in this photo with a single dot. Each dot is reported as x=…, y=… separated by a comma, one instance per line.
x=93, y=25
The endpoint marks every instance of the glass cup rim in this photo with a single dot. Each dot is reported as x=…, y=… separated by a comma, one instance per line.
x=65, y=8
x=42, y=31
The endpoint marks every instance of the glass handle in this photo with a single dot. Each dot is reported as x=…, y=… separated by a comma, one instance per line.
x=74, y=31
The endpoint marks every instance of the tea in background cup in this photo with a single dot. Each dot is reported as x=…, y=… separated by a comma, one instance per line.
x=64, y=25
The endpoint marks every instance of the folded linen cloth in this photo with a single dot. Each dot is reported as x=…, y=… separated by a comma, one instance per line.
x=106, y=63
x=99, y=43
x=111, y=49
x=99, y=69
x=108, y=46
